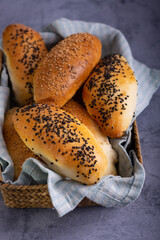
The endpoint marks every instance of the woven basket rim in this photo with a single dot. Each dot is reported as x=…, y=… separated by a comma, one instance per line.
x=22, y=187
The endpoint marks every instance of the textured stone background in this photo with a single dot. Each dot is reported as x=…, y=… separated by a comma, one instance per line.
x=140, y=23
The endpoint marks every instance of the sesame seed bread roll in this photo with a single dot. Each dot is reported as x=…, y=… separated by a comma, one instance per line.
x=110, y=95
x=62, y=141
x=24, y=49
x=65, y=68
x=79, y=112
x=16, y=147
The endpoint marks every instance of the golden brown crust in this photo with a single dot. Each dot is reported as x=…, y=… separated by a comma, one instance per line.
x=110, y=95
x=63, y=142
x=65, y=68
x=16, y=147
x=80, y=112
x=24, y=49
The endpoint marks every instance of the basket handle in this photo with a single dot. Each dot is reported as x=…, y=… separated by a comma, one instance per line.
x=137, y=142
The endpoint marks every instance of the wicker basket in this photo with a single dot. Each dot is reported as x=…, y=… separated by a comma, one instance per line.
x=37, y=196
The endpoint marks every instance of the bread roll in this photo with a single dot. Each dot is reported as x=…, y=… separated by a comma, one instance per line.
x=24, y=49
x=79, y=112
x=63, y=142
x=110, y=95
x=65, y=68
x=16, y=147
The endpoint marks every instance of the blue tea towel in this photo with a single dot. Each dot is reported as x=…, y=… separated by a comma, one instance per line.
x=111, y=191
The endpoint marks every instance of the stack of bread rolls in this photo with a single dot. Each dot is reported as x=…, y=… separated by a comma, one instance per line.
x=51, y=126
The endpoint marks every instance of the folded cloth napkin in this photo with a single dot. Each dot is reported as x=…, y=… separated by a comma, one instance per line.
x=111, y=191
